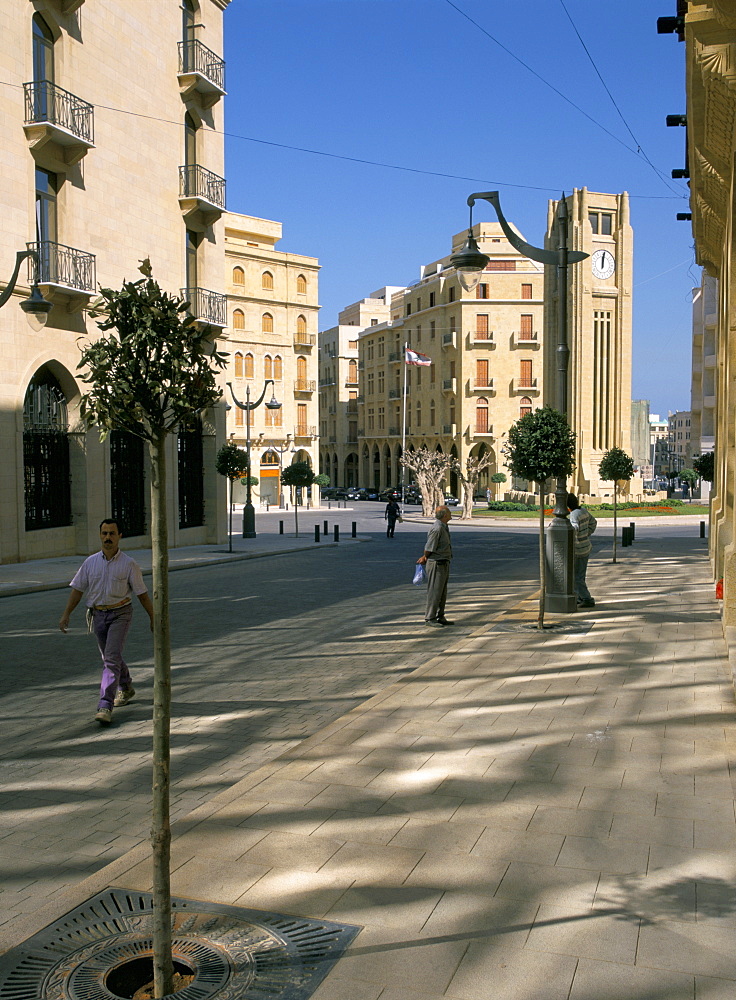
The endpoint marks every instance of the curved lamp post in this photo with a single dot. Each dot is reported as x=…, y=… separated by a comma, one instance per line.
x=470, y=262
x=249, y=514
x=36, y=307
x=281, y=452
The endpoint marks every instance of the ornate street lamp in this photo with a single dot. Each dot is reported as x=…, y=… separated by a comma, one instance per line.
x=249, y=514
x=470, y=263
x=281, y=452
x=36, y=307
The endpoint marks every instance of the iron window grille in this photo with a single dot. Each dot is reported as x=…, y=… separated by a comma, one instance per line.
x=127, y=494
x=47, y=478
x=191, y=477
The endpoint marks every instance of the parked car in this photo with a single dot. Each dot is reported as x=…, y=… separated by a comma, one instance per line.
x=327, y=493
x=389, y=494
x=362, y=493
x=451, y=501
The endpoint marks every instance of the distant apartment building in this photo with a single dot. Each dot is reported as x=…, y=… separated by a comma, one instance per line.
x=273, y=304
x=704, y=368
x=641, y=451
x=659, y=443
x=111, y=126
x=678, y=439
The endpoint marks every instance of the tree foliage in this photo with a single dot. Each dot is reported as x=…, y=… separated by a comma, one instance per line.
x=704, y=465
x=155, y=374
x=322, y=480
x=689, y=476
x=231, y=461
x=541, y=446
x=430, y=470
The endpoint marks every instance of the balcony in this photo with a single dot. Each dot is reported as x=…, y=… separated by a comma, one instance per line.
x=449, y=429
x=394, y=357
x=449, y=385
x=484, y=385
x=482, y=430
x=482, y=339
x=396, y=393
x=208, y=308
x=201, y=72
x=352, y=406
x=519, y=339
x=304, y=385
x=303, y=431
x=66, y=276
x=449, y=339
x=305, y=340
x=201, y=196
x=351, y=383
x=526, y=386
x=59, y=126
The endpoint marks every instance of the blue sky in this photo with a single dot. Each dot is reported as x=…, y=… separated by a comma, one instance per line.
x=415, y=84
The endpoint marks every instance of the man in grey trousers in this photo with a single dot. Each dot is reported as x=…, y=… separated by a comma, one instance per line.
x=436, y=561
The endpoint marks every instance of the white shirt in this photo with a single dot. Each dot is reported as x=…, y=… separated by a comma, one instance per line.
x=109, y=581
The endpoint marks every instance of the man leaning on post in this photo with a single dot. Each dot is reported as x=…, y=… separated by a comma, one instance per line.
x=436, y=561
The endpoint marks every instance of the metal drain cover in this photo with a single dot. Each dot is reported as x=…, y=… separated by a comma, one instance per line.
x=235, y=952
x=555, y=628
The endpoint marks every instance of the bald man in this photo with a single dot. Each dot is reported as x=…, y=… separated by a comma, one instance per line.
x=436, y=561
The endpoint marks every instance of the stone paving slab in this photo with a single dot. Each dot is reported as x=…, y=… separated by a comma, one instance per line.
x=549, y=814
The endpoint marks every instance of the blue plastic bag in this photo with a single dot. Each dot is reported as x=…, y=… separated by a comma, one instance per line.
x=420, y=576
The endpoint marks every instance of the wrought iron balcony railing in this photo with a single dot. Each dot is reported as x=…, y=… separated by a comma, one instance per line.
x=45, y=102
x=305, y=340
x=194, y=57
x=61, y=265
x=304, y=385
x=303, y=430
x=198, y=182
x=206, y=306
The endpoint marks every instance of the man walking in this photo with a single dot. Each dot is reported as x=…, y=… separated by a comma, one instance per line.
x=584, y=524
x=392, y=515
x=436, y=561
x=110, y=578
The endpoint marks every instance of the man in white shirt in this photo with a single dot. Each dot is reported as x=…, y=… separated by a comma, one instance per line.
x=584, y=524
x=110, y=578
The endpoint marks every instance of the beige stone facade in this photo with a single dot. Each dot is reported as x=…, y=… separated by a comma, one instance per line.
x=704, y=368
x=95, y=190
x=273, y=305
x=710, y=54
x=599, y=330
x=486, y=362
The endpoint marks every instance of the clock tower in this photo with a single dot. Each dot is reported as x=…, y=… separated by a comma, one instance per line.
x=598, y=330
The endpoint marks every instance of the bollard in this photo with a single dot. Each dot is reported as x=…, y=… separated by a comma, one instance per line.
x=325, y=529
x=355, y=529
x=702, y=529
x=316, y=532
x=624, y=537
x=281, y=527
x=337, y=532
x=632, y=532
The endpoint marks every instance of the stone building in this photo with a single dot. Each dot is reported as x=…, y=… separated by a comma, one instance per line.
x=112, y=151
x=272, y=334
x=678, y=439
x=641, y=451
x=599, y=329
x=485, y=370
x=704, y=372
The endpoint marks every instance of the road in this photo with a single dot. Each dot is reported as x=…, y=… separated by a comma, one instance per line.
x=265, y=653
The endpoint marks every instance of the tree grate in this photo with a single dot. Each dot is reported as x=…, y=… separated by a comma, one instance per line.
x=555, y=628
x=236, y=953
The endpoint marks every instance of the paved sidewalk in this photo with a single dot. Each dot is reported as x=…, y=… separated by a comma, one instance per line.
x=525, y=816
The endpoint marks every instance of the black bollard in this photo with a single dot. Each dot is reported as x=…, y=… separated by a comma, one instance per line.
x=632, y=532
x=355, y=529
x=316, y=532
x=326, y=528
x=337, y=532
x=702, y=529
x=281, y=527
x=624, y=537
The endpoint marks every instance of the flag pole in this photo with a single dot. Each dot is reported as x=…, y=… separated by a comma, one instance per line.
x=403, y=433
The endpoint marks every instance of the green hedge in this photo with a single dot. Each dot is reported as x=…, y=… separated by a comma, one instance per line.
x=632, y=505
x=509, y=505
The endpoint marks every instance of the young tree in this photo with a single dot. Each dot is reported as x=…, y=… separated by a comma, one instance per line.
x=617, y=467
x=541, y=446
x=430, y=470
x=469, y=478
x=152, y=376
x=231, y=462
x=690, y=477
x=298, y=474
x=322, y=480
x=496, y=479
x=704, y=465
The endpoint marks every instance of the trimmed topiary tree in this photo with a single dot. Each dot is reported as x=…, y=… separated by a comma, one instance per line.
x=616, y=467
x=231, y=462
x=541, y=446
x=298, y=474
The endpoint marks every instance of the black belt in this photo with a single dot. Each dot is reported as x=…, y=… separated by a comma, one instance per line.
x=441, y=562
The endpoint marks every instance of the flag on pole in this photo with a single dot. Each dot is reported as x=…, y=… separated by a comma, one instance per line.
x=414, y=358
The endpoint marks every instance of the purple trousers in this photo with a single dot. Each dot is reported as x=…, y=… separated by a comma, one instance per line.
x=111, y=628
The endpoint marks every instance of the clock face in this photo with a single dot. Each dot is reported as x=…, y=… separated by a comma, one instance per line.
x=603, y=264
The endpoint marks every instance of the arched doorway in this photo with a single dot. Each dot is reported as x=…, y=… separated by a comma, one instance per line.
x=47, y=478
x=351, y=470
x=268, y=486
x=376, y=478
x=386, y=477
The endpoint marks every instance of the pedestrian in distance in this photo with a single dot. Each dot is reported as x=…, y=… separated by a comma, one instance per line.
x=436, y=561
x=489, y=496
x=392, y=514
x=109, y=578
x=584, y=524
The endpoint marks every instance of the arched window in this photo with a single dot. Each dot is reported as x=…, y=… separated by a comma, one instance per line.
x=238, y=276
x=301, y=368
x=238, y=319
x=43, y=51
x=189, y=20
x=267, y=323
x=46, y=454
x=267, y=280
x=278, y=368
x=270, y=458
x=352, y=371
x=190, y=153
x=248, y=365
x=268, y=366
x=301, y=284
x=431, y=413
x=301, y=324
x=525, y=406
x=481, y=416
x=238, y=364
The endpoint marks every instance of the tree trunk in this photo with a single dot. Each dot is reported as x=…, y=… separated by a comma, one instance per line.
x=542, y=561
x=468, y=491
x=296, y=513
x=163, y=969
x=230, y=521
x=615, y=521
